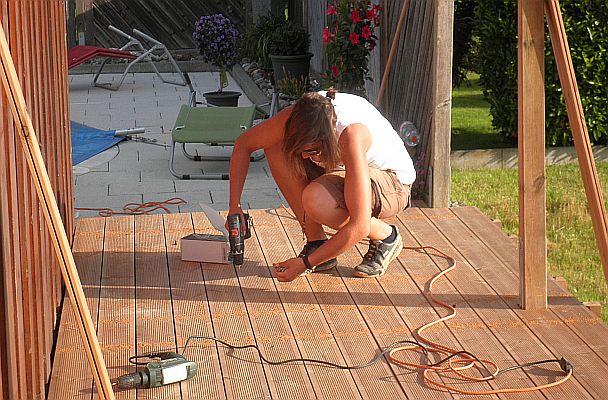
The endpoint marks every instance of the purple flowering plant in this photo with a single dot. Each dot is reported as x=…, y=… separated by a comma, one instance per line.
x=217, y=39
x=348, y=39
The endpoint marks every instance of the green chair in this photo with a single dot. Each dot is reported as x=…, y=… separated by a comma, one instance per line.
x=214, y=126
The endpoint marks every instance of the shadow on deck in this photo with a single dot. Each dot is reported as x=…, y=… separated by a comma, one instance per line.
x=144, y=298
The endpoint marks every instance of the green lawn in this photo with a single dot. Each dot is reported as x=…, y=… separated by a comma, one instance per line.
x=471, y=121
x=572, y=250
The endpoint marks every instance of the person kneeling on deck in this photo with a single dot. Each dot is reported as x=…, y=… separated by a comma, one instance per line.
x=339, y=163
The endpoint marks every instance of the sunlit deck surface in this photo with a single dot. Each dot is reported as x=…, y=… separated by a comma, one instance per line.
x=143, y=297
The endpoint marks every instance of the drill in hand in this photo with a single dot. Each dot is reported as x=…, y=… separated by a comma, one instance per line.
x=170, y=368
x=236, y=237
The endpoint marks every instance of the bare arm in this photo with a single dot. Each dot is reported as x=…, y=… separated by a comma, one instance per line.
x=264, y=135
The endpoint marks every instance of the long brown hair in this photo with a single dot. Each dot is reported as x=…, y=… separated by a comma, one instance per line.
x=312, y=122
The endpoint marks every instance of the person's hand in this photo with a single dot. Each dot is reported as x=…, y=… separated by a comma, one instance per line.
x=288, y=270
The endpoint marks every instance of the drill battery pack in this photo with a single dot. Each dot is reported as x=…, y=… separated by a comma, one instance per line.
x=205, y=248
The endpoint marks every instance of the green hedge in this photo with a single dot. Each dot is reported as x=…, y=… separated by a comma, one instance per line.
x=587, y=30
x=464, y=44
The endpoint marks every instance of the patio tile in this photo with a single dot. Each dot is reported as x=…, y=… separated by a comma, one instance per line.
x=147, y=187
x=139, y=171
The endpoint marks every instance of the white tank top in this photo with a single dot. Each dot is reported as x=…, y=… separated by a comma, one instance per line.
x=387, y=151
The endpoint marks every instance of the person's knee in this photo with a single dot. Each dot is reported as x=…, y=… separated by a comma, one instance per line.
x=317, y=201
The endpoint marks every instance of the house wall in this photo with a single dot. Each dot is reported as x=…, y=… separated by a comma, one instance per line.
x=30, y=281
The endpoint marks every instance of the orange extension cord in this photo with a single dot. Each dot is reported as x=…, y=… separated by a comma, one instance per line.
x=137, y=208
x=454, y=366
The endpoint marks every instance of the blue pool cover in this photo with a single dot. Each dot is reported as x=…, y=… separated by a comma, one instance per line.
x=87, y=141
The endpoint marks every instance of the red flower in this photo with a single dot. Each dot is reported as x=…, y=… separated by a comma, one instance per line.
x=355, y=17
x=335, y=71
x=366, y=32
x=370, y=14
x=331, y=10
x=353, y=38
x=327, y=35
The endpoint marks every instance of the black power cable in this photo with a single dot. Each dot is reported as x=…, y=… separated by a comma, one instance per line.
x=565, y=365
x=308, y=360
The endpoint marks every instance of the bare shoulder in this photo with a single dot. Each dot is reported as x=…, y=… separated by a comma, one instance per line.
x=267, y=133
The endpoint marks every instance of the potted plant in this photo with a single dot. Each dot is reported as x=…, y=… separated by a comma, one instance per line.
x=349, y=38
x=288, y=50
x=217, y=38
x=254, y=42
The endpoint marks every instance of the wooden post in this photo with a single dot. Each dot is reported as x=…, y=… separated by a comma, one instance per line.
x=393, y=52
x=531, y=149
x=576, y=116
x=85, y=24
x=40, y=178
x=440, y=143
x=71, y=22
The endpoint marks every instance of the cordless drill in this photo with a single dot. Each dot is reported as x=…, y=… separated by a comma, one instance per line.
x=170, y=368
x=236, y=237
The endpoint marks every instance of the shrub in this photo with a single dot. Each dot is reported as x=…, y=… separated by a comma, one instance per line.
x=464, y=43
x=584, y=20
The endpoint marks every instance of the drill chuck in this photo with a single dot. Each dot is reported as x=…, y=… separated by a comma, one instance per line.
x=135, y=380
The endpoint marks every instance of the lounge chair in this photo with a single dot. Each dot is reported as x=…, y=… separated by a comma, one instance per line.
x=213, y=126
x=133, y=50
x=80, y=54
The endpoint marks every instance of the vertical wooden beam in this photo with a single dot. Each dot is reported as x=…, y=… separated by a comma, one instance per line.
x=531, y=149
x=442, y=103
x=84, y=21
x=576, y=117
x=13, y=289
x=71, y=22
x=393, y=51
x=12, y=88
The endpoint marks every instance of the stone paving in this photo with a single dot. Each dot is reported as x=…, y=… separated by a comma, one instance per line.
x=137, y=172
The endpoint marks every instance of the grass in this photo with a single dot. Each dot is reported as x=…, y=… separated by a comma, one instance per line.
x=471, y=121
x=571, y=247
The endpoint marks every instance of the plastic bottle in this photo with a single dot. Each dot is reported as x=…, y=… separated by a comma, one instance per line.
x=409, y=134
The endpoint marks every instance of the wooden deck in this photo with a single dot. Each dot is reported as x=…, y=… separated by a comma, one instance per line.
x=143, y=297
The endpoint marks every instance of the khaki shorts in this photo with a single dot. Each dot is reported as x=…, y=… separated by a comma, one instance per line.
x=389, y=195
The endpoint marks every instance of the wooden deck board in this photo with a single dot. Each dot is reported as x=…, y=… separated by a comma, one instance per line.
x=352, y=335
x=69, y=353
x=149, y=300
x=563, y=333
x=154, y=322
x=192, y=314
x=310, y=328
x=517, y=345
x=116, y=320
x=377, y=317
x=242, y=373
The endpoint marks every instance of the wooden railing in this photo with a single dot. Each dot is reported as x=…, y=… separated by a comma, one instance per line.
x=30, y=279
